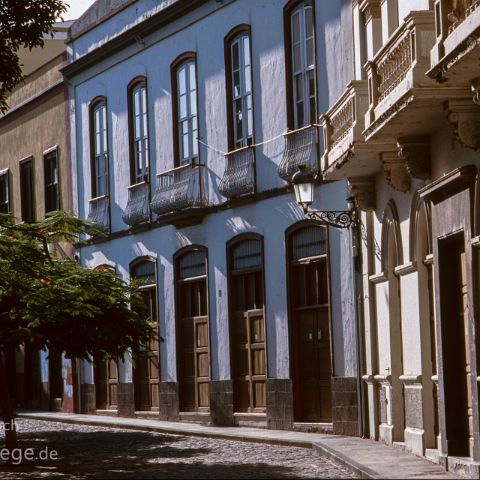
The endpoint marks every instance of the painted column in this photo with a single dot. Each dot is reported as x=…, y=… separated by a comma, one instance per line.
x=87, y=388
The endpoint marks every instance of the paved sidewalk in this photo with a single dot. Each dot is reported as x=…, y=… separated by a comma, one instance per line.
x=366, y=458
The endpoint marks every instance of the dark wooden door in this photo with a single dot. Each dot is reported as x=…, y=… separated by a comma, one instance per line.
x=455, y=342
x=248, y=342
x=106, y=384
x=193, y=338
x=147, y=363
x=311, y=341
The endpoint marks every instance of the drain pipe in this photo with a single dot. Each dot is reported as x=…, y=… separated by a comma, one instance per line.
x=360, y=332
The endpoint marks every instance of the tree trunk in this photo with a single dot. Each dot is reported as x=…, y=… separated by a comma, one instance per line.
x=6, y=407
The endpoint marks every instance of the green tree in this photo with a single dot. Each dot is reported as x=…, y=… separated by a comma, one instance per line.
x=54, y=303
x=23, y=23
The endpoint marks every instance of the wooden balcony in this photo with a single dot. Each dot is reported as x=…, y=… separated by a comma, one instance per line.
x=180, y=195
x=99, y=212
x=454, y=57
x=239, y=176
x=138, y=206
x=346, y=152
x=403, y=101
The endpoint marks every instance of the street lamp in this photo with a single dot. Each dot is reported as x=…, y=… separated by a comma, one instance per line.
x=304, y=186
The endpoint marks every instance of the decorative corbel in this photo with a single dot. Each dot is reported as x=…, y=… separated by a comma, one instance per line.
x=363, y=189
x=370, y=9
x=395, y=168
x=415, y=152
x=464, y=116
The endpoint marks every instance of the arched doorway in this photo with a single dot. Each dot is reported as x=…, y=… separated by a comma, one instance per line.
x=146, y=373
x=192, y=330
x=247, y=323
x=309, y=298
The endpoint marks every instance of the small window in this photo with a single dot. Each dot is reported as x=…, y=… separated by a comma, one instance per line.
x=27, y=191
x=302, y=51
x=247, y=254
x=309, y=242
x=192, y=264
x=139, y=132
x=99, y=149
x=52, y=197
x=144, y=273
x=4, y=191
x=241, y=90
x=187, y=119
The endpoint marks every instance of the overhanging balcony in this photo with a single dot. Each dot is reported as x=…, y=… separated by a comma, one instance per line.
x=239, y=176
x=180, y=194
x=403, y=101
x=346, y=153
x=99, y=212
x=454, y=58
x=301, y=148
x=137, y=210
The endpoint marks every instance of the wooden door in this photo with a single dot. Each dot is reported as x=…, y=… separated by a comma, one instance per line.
x=147, y=363
x=455, y=343
x=310, y=329
x=193, y=339
x=249, y=369
x=106, y=384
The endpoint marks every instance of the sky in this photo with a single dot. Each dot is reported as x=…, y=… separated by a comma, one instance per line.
x=77, y=7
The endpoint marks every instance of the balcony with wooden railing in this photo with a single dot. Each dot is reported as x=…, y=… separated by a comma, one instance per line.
x=343, y=125
x=403, y=101
x=137, y=210
x=180, y=193
x=454, y=58
x=301, y=148
x=239, y=175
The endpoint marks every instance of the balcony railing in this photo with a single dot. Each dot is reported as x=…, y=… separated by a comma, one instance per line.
x=460, y=11
x=138, y=205
x=99, y=212
x=401, y=64
x=301, y=148
x=345, y=122
x=179, y=189
x=239, y=176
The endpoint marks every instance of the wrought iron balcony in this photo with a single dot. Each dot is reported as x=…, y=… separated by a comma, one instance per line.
x=301, y=148
x=239, y=176
x=138, y=205
x=343, y=125
x=99, y=212
x=178, y=189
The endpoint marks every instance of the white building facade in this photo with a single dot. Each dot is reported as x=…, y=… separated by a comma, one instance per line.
x=188, y=121
x=405, y=134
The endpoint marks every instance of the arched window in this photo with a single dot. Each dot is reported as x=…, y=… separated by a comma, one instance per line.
x=184, y=78
x=300, y=53
x=239, y=87
x=99, y=147
x=138, y=107
x=247, y=323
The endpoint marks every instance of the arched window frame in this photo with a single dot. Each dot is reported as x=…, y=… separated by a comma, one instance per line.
x=138, y=141
x=191, y=117
x=99, y=157
x=390, y=221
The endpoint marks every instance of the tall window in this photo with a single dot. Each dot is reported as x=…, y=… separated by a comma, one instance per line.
x=4, y=192
x=27, y=190
x=50, y=166
x=302, y=51
x=100, y=149
x=240, y=90
x=139, y=164
x=186, y=118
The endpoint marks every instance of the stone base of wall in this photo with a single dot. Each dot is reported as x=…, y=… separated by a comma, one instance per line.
x=345, y=408
x=280, y=403
x=87, y=398
x=221, y=402
x=169, y=408
x=126, y=400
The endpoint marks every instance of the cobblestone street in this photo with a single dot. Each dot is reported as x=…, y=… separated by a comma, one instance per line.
x=95, y=452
